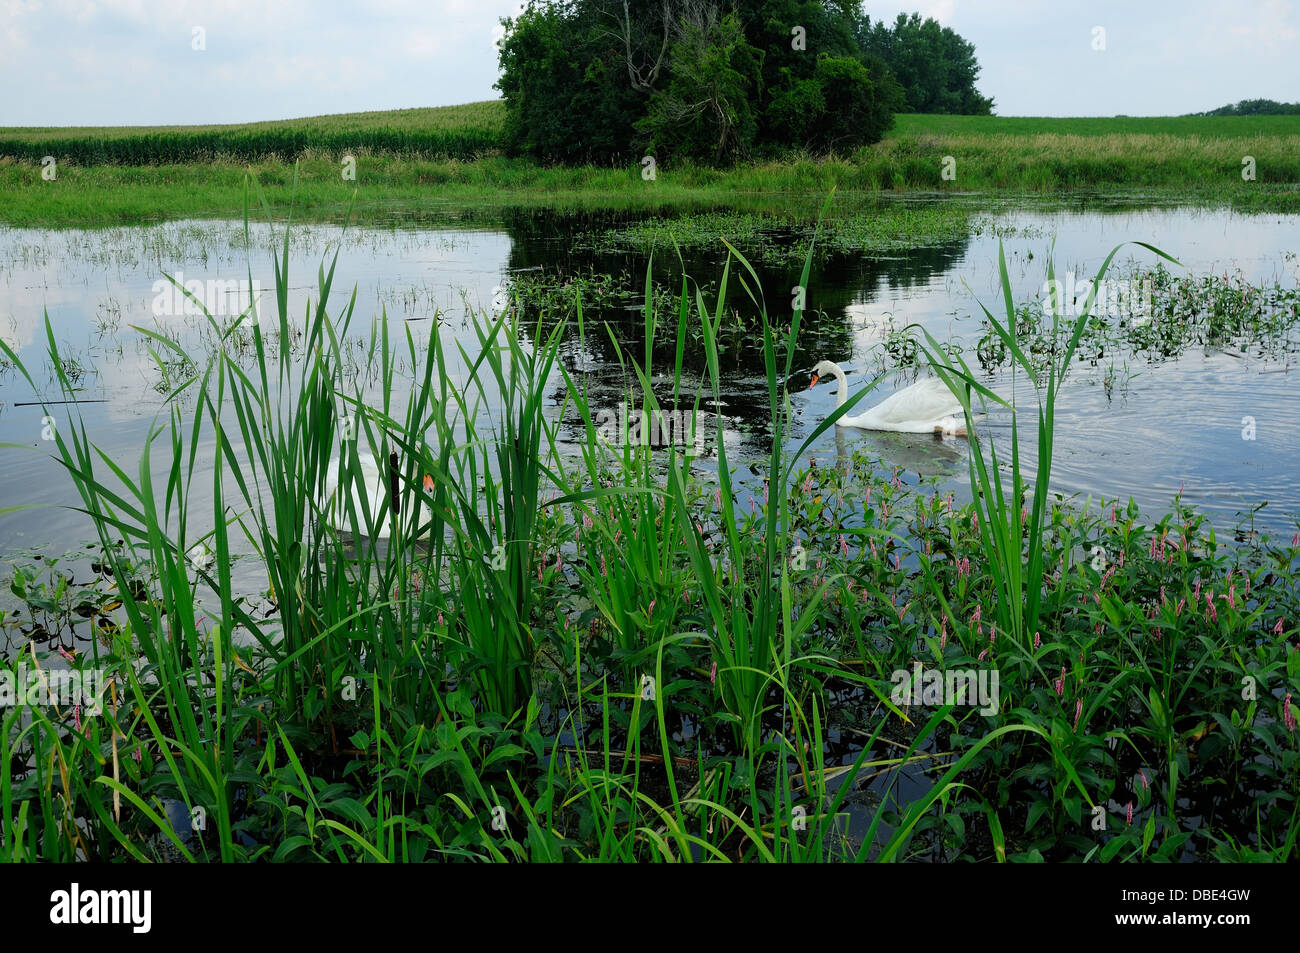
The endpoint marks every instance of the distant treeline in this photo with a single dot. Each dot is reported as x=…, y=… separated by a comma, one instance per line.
x=1255, y=107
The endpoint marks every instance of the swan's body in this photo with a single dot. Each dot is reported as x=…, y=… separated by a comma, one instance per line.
x=927, y=406
x=380, y=489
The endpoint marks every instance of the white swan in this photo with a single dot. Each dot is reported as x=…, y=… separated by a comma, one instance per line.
x=927, y=406
x=382, y=489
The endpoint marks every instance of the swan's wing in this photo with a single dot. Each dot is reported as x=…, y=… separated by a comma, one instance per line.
x=373, y=484
x=331, y=479
x=927, y=399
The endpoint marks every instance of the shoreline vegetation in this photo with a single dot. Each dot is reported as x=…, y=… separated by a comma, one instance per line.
x=443, y=163
x=617, y=655
x=613, y=657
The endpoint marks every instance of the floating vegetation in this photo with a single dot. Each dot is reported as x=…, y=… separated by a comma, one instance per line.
x=1154, y=316
x=624, y=654
x=888, y=227
x=52, y=602
x=557, y=293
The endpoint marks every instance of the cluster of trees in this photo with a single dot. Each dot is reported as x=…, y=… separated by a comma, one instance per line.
x=935, y=66
x=1256, y=107
x=719, y=80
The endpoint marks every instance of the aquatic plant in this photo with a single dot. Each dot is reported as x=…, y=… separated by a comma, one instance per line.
x=619, y=653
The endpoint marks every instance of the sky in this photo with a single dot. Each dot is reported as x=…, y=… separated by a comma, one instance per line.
x=167, y=62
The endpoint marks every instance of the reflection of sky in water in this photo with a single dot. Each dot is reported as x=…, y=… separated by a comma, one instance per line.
x=96, y=284
x=1174, y=424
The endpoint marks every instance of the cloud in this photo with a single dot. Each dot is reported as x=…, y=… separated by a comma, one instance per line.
x=941, y=10
x=1269, y=29
x=422, y=44
x=132, y=60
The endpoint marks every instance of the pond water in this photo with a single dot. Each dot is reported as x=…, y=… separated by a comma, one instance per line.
x=1124, y=427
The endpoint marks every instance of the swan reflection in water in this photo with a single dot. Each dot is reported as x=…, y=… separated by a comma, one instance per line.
x=933, y=455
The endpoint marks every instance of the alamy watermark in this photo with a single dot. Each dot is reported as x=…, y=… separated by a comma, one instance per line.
x=1114, y=298
x=126, y=907
x=955, y=686
x=651, y=428
x=63, y=687
x=221, y=298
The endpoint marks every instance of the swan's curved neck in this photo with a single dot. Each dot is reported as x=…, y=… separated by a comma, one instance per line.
x=841, y=385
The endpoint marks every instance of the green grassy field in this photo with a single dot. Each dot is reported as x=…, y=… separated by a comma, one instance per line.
x=445, y=131
x=1204, y=156
x=1212, y=127
x=424, y=162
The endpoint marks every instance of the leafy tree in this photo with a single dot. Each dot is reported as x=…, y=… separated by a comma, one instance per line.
x=1255, y=107
x=861, y=99
x=936, y=67
x=715, y=80
x=845, y=103
x=705, y=108
x=565, y=86
x=796, y=37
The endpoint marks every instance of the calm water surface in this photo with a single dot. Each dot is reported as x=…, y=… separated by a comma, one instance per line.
x=1158, y=429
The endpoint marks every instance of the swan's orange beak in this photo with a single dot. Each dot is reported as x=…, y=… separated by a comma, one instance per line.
x=428, y=483
x=814, y=382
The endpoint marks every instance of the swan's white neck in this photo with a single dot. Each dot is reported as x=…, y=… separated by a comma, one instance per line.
x=841, y=385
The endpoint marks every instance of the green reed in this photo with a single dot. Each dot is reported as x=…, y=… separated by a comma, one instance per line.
x=1004, y=519
x=502, y=679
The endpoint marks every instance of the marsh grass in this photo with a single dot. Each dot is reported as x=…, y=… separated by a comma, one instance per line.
x=602, y=654
x=1000, y=516
x=407, y=157
x=413, y=660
